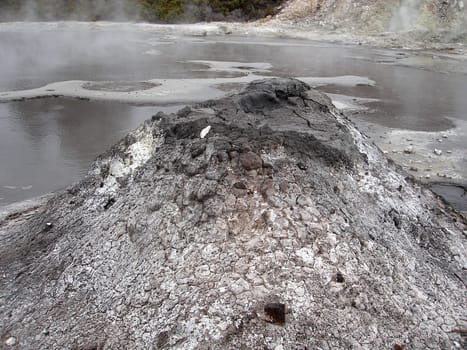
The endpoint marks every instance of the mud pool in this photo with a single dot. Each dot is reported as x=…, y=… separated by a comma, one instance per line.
x=68, y=91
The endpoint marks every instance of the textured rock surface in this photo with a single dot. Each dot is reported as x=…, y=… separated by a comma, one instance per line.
x=174, y=241
x=380, y=15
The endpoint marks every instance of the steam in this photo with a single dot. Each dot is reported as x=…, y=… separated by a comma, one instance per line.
x=80, y=10
x=406, y=15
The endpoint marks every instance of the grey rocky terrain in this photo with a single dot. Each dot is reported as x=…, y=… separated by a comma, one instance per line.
x=263, y=220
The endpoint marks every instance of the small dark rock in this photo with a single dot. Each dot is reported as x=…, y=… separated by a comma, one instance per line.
x=109, y=203
x=158, y=116
x=215, y=175
x=283, y=186
x=222, y=156
x=233, y=155
x=246, y=148
x=301, y=166
x=340, y=277
x=240, y=185
x=275, y=312
x=399, y=347
x=73, y=190
x=162, y=339
x=397, y=222
x=251, y=161
x=193, y=169
x=396, y=218
x=197, y=150
x=184, y=112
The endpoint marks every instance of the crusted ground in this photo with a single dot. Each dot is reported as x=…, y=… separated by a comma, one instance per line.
x=195, y=230
x=400, y=23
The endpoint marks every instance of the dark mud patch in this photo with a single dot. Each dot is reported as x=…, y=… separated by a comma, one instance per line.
x=119, y=86
x=230, y=87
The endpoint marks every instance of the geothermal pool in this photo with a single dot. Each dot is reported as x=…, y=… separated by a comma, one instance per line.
x=68, y=91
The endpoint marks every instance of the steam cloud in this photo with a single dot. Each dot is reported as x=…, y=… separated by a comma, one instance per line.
x=406, y=16
x=84, y=10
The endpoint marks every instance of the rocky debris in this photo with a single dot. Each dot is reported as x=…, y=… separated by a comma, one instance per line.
x=438, y=152
x=400, y=23
x=378, y=15
x=283, y=228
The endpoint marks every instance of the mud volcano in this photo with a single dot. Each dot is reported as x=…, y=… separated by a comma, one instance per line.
x=280, y=228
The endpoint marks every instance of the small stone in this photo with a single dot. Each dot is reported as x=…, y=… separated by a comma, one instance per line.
x=409, y=150
x=197, y=150
x=448, y=152
x=250, y=161
x=275, y=312
x=427, y=176
x=413, y=168
x=240, y=185
x=340, y=277
x=222, y=156
x=438, y=152
x=10, y=341
x=445, y=136
x=184, y=112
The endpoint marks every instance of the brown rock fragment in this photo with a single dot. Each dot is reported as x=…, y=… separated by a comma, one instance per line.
x=251, y=161
x=275, y=312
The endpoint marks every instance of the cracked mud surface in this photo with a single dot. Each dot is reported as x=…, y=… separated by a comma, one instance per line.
x=282, y=228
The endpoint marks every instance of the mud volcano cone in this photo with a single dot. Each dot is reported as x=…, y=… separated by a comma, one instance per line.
x=281, y=227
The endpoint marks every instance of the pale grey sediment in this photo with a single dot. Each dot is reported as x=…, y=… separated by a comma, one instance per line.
x=177, y=241
x=158, y=91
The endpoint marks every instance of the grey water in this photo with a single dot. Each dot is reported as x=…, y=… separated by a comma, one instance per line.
x=455, y=195
x=47, y=144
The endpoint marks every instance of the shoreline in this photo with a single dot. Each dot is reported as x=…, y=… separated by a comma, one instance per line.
x=274, y=28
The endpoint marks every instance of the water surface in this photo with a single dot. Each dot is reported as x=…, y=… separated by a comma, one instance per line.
x=46, y=144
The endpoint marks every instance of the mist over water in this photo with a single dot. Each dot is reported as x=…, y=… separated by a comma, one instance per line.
x=406, y=16
x=79, y=10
